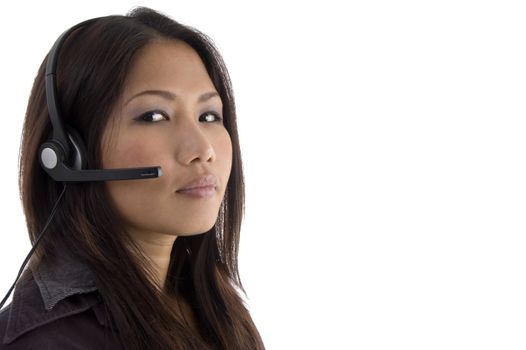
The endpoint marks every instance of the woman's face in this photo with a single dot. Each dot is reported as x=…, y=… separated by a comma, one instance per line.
x=179, y=132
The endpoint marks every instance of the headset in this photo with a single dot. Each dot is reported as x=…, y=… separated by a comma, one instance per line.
x=63, y=155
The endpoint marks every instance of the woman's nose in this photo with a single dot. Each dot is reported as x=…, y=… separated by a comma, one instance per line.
x=194, y=143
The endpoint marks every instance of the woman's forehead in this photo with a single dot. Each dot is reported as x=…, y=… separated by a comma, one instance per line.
x=167, y=65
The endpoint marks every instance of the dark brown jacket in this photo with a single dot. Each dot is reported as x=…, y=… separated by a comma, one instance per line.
x=57, y=306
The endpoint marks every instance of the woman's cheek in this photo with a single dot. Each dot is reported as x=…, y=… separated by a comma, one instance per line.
x=135, y=154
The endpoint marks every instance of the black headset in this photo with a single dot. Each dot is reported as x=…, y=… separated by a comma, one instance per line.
x=64, y=160
x=56, y=153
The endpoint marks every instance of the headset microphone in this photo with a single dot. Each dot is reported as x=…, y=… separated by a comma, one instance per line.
x=63, y=155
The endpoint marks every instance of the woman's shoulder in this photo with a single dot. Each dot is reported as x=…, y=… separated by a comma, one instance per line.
x=75, y=322
x=79, y=330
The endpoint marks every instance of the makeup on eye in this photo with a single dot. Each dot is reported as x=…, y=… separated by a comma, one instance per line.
x=158, y=115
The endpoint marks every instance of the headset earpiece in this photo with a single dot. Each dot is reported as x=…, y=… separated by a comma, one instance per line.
x=52, y=152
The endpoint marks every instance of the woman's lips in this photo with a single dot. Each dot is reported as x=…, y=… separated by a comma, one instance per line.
x=199, y=192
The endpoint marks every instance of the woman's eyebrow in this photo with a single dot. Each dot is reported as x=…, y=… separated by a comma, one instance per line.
x=171, y=96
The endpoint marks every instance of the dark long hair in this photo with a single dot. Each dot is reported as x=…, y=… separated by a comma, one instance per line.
x=203, y=271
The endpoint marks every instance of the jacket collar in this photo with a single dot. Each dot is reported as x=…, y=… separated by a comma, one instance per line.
x=62, y=278
x=45, y=293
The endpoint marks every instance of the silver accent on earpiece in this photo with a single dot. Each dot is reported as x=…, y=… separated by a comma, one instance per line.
x=49, y=158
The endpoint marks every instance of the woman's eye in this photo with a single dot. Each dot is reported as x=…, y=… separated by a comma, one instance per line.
x=213, y=114
x=152, y=116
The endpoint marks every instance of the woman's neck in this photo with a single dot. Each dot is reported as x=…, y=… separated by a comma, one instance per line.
x=158, y=248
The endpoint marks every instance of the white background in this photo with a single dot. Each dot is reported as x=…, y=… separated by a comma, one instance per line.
x=384, y=148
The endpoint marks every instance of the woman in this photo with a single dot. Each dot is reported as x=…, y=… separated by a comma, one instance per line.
x=135, y=264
